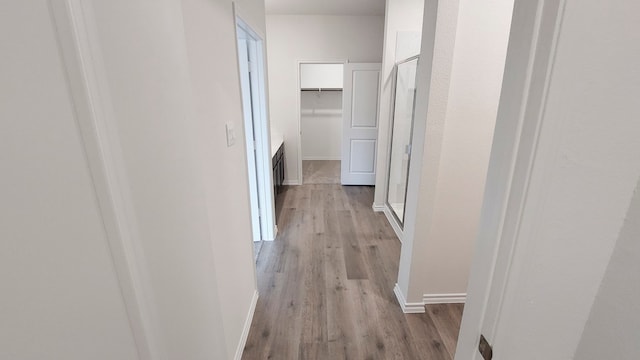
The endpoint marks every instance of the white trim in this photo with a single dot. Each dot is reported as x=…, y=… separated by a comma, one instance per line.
x=408, y=308
x=393, y=222
x=377, y=207
x=321, y=158
x=275, y=234
x=294, y=182
x=385, y=157
x=430, y=299
x=538, y=23
x=245, y=15
x=427, y=299
x=534, y=102
x=88, y=85
x=244, y=41
x=262, y=131
x=247, y=326
x=548, y=22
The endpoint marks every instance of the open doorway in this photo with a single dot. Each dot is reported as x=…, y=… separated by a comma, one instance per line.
x=256, y=133
x=321, y=86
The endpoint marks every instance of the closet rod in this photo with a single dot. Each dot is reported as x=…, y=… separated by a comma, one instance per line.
x=321, y=89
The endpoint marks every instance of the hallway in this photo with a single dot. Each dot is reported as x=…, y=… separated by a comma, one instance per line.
x=326, y=285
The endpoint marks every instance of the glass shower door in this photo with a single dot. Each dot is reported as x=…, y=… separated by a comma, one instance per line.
x=402, y=126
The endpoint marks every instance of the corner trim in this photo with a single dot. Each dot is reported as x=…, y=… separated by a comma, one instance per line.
x=429, y=299
x=408, y=308
x=291, y=182
x=377, y=207
x=394, y=224
x=76, y=36
x=247, y=326
x=275, y=233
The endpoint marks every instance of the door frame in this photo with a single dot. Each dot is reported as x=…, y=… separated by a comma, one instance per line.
x=530, y=58
x=299, y=64
x=261, y=131
x=394, y=220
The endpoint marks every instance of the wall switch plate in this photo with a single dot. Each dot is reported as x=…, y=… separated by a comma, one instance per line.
x=231, y=134
x=485, y=349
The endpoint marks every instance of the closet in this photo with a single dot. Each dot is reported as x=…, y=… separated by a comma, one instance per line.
x=321, y=121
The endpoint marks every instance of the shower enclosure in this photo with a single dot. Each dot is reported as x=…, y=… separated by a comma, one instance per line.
x=401, y=131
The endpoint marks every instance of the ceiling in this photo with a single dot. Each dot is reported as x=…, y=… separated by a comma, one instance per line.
x=325, y=7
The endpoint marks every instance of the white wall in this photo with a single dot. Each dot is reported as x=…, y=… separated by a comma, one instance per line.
x=215, y=84
x=321, y=124
x=613, y=326
x=190, y=191
x=60, y=293
x=157, y=124
x=586, y=170
x=402, y=18
x=581, y=169
x=293, y=38
x=163, y=80
x=253, y=13
x=321, y=76
x=453, y=133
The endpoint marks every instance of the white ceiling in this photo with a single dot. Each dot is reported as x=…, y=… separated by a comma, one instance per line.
x=325, y=7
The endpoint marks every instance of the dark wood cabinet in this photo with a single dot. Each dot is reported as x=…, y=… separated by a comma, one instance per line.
x=278, y=170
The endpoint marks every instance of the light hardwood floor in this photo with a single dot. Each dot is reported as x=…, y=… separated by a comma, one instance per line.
x=326, y=285
x=321, y=171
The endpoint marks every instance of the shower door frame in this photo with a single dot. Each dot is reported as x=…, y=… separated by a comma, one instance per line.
x=389, y=208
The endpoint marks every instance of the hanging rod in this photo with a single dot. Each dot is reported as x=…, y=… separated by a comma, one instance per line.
x=321, y=89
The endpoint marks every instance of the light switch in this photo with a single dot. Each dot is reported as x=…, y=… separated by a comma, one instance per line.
x=231, y=134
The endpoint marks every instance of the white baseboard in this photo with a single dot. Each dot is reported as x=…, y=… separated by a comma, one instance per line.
x=408, y=308
x=427, y=299
x=392, y=220
x=275, y=234
x=444, y=298
x=247, y=326
x=321, y=158
x=377, y=207
x=291, y=182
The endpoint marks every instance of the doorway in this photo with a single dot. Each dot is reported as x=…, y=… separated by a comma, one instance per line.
x=256, y=133
x=338, y=122
x=321, y=122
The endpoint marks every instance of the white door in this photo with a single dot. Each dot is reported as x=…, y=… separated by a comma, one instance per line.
x=360, y=123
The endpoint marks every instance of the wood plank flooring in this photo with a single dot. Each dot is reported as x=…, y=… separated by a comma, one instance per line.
x=321, y=171
x=326, y=285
